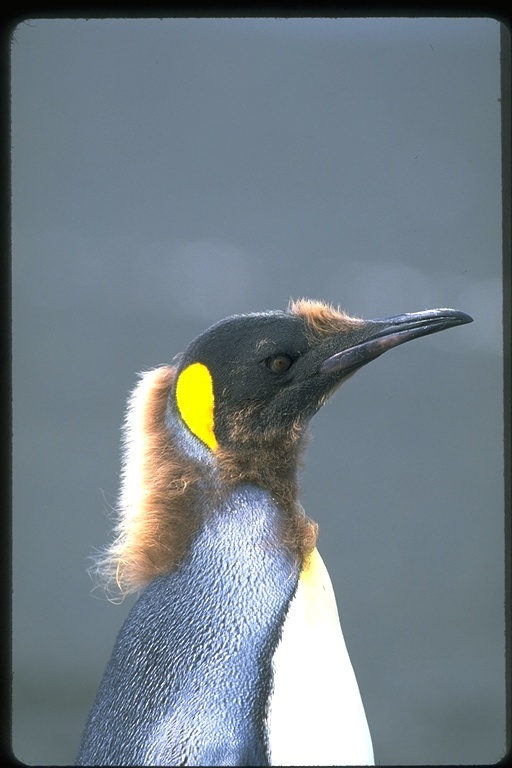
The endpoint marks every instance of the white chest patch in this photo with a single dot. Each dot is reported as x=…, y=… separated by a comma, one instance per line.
x=316, y=715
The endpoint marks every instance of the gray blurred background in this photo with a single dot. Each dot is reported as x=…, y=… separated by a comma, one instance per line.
x=169, y=173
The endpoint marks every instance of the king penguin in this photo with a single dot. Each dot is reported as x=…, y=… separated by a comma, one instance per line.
x=233, y=653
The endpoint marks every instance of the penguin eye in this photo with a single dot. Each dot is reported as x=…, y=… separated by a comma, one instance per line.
x=278, y=363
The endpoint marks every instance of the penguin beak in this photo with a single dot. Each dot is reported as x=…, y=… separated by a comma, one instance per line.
x=389, y=332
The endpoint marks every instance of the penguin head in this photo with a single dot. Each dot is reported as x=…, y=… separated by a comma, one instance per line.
x=260, y=377
x=241, y=395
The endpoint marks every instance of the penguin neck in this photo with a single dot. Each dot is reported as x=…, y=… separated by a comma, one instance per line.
x=267, y=463
x=172, y=481
x=272, y=465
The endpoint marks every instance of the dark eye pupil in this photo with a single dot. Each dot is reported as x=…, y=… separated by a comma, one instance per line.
x=279, y=363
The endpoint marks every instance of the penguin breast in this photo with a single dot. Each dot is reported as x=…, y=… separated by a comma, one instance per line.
x=316, y=715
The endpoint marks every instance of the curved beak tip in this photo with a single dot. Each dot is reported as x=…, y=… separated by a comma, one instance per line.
x=465, y=318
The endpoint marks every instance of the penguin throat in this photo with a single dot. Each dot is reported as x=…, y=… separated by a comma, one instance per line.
x=274, y=468
x=195, y=401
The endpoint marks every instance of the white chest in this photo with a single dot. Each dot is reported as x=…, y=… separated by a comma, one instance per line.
x=316, y=714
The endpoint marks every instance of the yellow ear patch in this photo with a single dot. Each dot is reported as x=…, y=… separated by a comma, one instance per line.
x=194, y=396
